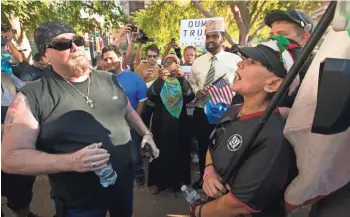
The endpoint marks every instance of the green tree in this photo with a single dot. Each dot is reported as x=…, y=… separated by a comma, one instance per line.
x=244, y=19
x=33, y=13
x=161, y=20
x=249, y=15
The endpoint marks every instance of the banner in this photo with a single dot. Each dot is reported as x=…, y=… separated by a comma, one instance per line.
x=192, y=32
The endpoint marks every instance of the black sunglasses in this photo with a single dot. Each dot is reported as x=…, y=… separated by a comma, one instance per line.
x=65, y=44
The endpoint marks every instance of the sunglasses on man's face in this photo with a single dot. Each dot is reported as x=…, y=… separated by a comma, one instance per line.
x=65, y=44
x=152, y=56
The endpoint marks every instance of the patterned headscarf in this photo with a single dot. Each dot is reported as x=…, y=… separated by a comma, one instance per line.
x=171, y=96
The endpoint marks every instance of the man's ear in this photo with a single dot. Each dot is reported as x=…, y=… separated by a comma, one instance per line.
x=273, y=84
x=44, y=58
x=304, y=38
x=223, y=38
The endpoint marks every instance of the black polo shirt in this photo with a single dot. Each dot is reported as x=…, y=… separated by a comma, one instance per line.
x=266, y=170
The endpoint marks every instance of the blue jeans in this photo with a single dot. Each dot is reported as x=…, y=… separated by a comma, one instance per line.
x=136, y=157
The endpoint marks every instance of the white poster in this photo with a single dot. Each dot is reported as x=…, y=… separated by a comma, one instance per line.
x=186, y=70
x=192, y=32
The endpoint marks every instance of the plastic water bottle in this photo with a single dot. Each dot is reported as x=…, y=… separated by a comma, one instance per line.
x=191, y=195
x=107, y=175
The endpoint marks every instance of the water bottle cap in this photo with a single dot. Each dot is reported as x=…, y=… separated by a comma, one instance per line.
x=184, y=188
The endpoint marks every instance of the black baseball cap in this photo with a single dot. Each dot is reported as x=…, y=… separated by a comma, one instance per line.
x=295, y=16
x=48, y=31
x=268, y=57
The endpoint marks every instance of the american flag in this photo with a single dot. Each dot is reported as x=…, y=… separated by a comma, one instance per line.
x=220, y=92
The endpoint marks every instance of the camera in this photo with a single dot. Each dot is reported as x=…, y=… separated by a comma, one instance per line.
x=5, y=27
x=133, y=28
x=142, y=37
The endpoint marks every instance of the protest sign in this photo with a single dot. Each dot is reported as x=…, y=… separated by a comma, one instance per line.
x=192, y=32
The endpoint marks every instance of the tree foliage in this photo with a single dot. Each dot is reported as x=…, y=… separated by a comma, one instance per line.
x=33, y=13
x=161, y=20
x=244, y=19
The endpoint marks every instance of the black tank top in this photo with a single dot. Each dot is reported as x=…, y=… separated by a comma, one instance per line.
x=68, y=124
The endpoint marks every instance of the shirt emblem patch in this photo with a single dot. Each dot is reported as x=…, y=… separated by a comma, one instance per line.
x=234, y=142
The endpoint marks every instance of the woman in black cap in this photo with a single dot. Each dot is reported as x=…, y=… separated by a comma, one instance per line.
x=267, y=166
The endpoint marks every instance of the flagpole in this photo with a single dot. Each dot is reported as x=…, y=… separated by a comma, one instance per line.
x=206, y=97
x=320, y=29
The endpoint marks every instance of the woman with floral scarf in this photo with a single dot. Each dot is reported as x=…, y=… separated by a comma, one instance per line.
x=170, y=93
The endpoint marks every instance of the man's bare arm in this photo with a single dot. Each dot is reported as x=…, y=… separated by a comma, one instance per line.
x=18, y=155
x=135, y=121
x=138, y=55
x=128, y=54
x=140, y=107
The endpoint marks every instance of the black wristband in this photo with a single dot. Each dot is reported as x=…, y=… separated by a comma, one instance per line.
x=208, y=165
x=200, y=210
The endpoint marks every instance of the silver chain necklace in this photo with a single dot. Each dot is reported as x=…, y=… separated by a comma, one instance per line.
x=87, y=99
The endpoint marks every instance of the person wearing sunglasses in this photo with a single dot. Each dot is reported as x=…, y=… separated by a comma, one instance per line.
x=148, y=70
x=257, y=186
x=72, y=125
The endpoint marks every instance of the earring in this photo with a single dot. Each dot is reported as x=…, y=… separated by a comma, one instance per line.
x=268, y=90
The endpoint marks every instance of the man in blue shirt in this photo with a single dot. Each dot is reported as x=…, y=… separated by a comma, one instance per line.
x=135, y=88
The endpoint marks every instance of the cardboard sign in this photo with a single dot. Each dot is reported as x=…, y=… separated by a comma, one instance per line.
x=192, y=32
x=186, y=70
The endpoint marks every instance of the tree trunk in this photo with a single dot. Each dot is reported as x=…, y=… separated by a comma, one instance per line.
x=241, y=14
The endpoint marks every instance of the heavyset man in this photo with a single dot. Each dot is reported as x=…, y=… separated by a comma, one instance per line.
x=72, y=124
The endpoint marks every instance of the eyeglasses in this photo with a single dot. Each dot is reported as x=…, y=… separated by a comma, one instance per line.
x=65, y=44
x=152, y=56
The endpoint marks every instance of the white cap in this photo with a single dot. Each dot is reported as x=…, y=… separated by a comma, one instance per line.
x=183, y=188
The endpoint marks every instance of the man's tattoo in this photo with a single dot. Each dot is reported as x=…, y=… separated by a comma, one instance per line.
x=16, y=105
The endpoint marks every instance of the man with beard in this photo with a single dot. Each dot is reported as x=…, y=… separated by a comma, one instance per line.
x=73, y=124
x=205, y=70
x=136, y=89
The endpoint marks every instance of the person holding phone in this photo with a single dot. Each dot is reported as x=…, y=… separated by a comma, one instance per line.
x=170, y=93
x=173, y=45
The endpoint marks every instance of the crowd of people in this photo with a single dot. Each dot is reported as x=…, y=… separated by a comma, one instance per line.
x=71, y=119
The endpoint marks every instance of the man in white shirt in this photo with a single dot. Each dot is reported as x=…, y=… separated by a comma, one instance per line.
x=206, y=69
